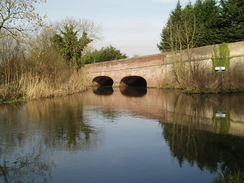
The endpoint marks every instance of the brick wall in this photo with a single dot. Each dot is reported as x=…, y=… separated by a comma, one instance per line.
x=155, y=69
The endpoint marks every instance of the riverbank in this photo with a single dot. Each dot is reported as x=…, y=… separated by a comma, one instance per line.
x=84, y=86
x=30, y=87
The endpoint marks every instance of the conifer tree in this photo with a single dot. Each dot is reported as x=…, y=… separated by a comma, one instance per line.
x=214, y=22
x=233, y=20
x=208, y=19
x=168, y=40
x=69, y=45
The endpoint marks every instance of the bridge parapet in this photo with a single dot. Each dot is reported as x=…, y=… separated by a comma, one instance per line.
x=148, y=67
x=155, y=69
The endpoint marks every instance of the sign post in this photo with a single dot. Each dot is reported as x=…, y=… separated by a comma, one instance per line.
x=220, y=70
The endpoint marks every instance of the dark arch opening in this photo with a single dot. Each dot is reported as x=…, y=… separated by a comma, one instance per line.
x=103, y=81
x=133, y=81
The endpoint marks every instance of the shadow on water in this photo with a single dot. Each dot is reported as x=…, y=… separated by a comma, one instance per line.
x=103, y=90
x=134, y=91
x=130, y=91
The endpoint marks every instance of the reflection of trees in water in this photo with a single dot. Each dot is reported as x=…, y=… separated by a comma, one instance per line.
x=64, y=122
x=235, y=103
x=75, y=131
x=110, y=114
x=26, y=167
x=59, y=122
x=13, y=134
x=56, y=123
x=189, y=142
x=221, y=123
x=229, y=177
x=209, y=112
x=206, y=150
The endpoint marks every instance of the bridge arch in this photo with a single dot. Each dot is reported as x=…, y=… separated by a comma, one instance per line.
x=133, y=81
x=103, y=81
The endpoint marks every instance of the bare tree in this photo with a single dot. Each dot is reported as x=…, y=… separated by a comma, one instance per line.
x=92, y=29
x=19, y=16
x=183, y=36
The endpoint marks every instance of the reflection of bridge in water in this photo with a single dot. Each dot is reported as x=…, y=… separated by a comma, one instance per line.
x=213, y=113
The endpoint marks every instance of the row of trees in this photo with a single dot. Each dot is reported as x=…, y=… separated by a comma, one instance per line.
x=206, y=22
x=104, y=54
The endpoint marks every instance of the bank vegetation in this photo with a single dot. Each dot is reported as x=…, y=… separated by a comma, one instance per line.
x=40, y=59
x=36, y=69
x=197, y=71
x=33, y=63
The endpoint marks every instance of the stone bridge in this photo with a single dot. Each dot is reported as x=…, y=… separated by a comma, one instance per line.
x=152, y=70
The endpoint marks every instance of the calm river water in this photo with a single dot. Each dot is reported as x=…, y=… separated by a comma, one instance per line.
x=122, y=135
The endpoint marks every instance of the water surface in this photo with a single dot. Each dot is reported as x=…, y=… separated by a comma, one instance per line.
x=122, y=135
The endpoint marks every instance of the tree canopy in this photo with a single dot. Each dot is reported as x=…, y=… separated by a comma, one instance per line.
x=206, y=22
x=105, y=54
x=69, y=45
x=73, y=36
x=232, y=14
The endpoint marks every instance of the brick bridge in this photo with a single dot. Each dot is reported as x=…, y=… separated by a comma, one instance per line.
x=151, y=70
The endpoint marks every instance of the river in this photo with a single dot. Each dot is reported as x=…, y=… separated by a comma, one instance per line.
x=122, y=135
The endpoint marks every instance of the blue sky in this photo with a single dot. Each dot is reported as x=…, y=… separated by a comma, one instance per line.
x=132, y=26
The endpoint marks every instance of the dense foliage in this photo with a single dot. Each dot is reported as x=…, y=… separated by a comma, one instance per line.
x=206, y=22
x=105, y=54
x=70, y=45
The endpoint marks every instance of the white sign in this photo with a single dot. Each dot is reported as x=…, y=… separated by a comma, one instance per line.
x=220, y=69
x=220, y=114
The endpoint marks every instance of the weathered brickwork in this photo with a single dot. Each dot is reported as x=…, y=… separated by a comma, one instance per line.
x=155, y=69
